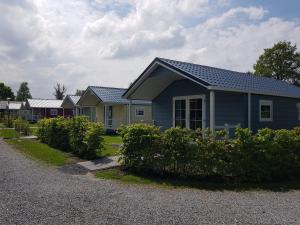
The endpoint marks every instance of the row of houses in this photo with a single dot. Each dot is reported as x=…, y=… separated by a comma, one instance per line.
x=172, y=93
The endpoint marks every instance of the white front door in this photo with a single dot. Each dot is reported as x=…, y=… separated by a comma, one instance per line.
x=189, y=111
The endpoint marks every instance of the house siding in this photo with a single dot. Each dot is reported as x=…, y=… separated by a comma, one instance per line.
x=285, y=112
x=162, y=105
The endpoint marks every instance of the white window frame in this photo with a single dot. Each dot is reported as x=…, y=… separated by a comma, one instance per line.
x=139, y=109
x=298, y=107
x=53, y=112
x=187, y=108
x=266, y=103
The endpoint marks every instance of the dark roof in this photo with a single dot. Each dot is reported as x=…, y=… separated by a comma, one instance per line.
x=231, y=80
x=114, y=95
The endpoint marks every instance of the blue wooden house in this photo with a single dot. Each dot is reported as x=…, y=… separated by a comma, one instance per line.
x=195, y=96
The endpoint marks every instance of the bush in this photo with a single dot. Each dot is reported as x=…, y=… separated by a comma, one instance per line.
x=266, y=155
x=22, y=126
x=141, y=146
x=76, y=134
x=93, y=140
x=54, y=132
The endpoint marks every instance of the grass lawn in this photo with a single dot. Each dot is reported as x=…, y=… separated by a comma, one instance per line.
x=9, y=133
x=42, y=152
x=111, y=143
x=143, y=179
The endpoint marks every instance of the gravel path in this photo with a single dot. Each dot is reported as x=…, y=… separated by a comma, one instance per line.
x=34, y=194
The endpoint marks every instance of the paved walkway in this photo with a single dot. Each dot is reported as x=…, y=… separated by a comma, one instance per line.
x=100, y=164
x=31, y=193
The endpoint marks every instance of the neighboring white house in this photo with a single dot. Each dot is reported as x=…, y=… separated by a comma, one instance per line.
x=106, y=105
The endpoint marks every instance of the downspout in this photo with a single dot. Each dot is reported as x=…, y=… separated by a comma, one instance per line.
x=249, y=110
x=212, y=111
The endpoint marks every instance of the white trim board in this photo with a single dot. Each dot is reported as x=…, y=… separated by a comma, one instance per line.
x=187, y=108
x=267, y=103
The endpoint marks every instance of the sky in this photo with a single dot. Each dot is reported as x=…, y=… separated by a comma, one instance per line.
x=110, y=42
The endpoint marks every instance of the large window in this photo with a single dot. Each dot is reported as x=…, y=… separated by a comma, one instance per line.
x=265, y=110
x=188, y=111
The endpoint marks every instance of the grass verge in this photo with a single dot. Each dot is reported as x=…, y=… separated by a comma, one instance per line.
x=111, y=145
x=41, y=152
x=9, y=133
x=171, y=182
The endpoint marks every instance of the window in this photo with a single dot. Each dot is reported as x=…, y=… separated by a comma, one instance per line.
x=188, y=111
x=265, y=110
x=139, y=112
x=53, y=112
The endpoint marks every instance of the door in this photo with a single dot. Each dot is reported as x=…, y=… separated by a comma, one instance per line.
x=189, y=112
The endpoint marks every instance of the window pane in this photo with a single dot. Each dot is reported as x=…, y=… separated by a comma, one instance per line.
x=265, y=111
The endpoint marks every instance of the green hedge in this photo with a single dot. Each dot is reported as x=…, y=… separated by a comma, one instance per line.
x=76, y=135
x=22, y=126
x=265, y=155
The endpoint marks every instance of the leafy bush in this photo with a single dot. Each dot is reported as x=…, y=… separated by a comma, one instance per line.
x=22, y=126
x=93, y=140
x=266, y=155
x=141, y=146
x=76, y=134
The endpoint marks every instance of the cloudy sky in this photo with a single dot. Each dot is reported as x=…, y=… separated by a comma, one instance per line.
x=110, y=42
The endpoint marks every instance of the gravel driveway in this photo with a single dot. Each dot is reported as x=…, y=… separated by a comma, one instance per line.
x=34, y=194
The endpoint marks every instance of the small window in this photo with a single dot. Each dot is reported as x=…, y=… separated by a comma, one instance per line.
x=265, y=110
x=53, y=112
x=139, y=111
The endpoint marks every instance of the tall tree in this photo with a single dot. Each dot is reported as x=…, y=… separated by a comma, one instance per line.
x=281, y=62
x=23, y=92
x=60, y=91
x=6, y=92
x=79, y=92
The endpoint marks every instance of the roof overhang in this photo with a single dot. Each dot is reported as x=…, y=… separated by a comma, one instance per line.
x=88, y=93
x=152, y=82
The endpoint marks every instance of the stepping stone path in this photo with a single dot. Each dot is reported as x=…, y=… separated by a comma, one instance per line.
x=100, y=164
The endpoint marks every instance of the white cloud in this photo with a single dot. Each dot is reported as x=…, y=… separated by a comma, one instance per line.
x=97, y=42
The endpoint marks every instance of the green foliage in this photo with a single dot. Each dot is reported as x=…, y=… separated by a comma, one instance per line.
x=281, y=62
x=76, y=134
x=141, y=146
x=23, y=92
x=6, y=92
x=22, y=126
x=93, y=140
x=266, y=155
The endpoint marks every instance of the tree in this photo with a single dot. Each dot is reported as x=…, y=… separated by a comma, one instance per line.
x=79, y=92
x=6, y=92
x=281, y=62
x=60, y=91
x=23, y=92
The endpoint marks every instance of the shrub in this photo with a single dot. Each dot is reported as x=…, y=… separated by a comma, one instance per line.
x=141, y=146
x=78, y=128
x=266, y=155
x=54, y=132
x=93, y=140
x=77, y=134
x=22, y=126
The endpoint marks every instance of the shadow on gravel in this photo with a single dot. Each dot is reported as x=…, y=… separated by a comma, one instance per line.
x=202, y=184
x=73, y=169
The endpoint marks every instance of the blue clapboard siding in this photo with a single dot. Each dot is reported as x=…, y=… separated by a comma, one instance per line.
x=162, y=105
x=285, y=112
x=231, y=108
